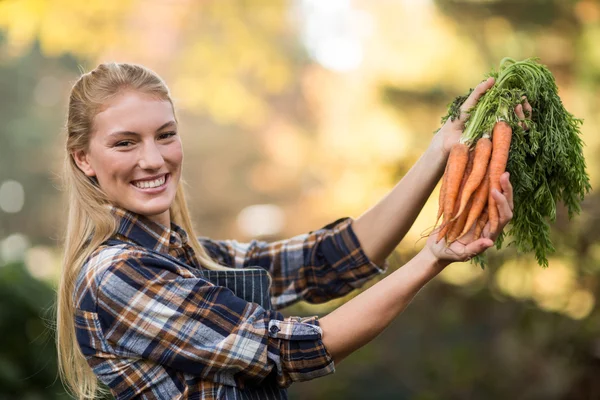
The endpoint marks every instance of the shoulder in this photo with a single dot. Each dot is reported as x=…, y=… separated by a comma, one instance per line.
x=107, y=257
x=112, y=268
x=102, y=259
x=117, y=270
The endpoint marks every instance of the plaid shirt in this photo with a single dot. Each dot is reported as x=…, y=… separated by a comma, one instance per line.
x=151, y=328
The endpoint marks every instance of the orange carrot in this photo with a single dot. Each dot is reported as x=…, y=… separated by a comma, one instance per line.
x=483, y=150
x=483, y=219
x=447, y=224
x=501, y=137
x=458, y=225
x=442, y=194
x=459, y=156
x=480, y=199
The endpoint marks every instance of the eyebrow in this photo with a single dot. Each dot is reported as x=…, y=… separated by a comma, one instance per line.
x=130, y=133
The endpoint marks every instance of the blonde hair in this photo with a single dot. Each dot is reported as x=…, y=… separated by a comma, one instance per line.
x=89, y=220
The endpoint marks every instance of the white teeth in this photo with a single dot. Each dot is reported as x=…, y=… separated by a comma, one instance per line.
x=150, y=184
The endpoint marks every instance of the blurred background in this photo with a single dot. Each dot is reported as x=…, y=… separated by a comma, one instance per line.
x=295, y=113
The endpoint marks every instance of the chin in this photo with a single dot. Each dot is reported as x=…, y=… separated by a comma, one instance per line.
x=150, y=209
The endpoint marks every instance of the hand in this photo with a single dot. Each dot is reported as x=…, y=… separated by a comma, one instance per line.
x=466, y=247
x=450, y=132
x=524, y=110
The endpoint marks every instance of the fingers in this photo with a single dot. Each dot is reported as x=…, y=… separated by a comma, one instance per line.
x=485, y=233
x=527, y=108
x=505, y=205
x=523, y=111
x=475, y=96
x=504, y=211
x=520, y=113
x=507, y=189
x=476, y=247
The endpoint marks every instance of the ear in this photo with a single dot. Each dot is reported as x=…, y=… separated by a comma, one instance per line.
x=81, y=159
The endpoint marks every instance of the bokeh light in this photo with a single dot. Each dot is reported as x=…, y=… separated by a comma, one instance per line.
x=14, y=247
x=462, y=274
x=41, y=262
x=12, y=196
x=332, y=33
x=261, y=220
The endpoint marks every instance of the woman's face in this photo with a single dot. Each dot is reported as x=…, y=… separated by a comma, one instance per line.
x=136, y=154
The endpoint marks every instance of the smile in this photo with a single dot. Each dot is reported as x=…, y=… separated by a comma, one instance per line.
x=152, y=186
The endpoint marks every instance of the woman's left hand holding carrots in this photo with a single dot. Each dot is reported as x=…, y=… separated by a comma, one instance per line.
x=466, y=248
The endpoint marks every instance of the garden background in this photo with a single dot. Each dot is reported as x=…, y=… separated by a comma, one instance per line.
x=293, y=114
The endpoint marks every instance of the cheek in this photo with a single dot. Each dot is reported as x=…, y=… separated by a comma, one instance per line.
x=175, y=153
x=115, y=166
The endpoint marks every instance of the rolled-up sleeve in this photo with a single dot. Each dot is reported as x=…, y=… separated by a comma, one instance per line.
x=147, y=310
x=317, y=266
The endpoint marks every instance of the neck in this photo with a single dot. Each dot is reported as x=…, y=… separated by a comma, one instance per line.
x=164, y=219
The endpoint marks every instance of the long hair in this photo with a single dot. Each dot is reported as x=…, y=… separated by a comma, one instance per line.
x=89, y=221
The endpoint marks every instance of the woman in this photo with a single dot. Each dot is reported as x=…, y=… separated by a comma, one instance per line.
x=154, y=312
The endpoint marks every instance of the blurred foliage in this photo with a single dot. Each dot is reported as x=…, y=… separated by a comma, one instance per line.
x=28, y=365
x=265, y=122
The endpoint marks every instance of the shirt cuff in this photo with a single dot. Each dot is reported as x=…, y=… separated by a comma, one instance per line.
x=356, y=266
x=300, y=352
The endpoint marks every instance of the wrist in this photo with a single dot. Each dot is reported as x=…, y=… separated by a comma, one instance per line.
x=432, y=261
x=436, y=146
x=436, y=156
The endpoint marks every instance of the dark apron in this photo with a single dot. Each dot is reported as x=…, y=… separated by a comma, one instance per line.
x=252, y=285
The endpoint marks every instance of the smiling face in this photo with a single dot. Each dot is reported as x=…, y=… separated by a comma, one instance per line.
x=136, y=154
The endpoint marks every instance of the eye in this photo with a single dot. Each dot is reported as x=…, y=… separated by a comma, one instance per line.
x=123, y=143
x=167, y=135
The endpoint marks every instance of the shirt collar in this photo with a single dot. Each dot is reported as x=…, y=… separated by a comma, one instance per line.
x=139, y=229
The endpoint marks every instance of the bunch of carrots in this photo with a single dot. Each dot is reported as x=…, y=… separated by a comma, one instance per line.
x=545, y=162
x=470, y=176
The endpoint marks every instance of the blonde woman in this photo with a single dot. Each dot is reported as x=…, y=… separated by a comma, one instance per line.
x=155, y=312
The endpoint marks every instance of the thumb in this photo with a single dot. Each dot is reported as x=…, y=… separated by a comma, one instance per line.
x=475, y=96
x=478, y=246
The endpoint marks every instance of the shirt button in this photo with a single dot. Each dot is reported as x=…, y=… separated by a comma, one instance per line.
x=274, y=329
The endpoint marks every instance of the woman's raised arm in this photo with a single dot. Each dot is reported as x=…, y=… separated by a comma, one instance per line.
x=383, y=226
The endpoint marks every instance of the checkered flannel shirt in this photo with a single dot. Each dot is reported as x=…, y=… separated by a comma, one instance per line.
x=151, y=329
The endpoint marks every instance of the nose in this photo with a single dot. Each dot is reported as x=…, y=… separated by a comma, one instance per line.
x=151, y=157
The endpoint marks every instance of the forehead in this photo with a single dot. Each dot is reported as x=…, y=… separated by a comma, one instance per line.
x=132, y=111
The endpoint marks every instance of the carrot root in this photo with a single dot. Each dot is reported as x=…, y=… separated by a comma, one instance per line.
x=480, y=200
x=458, y=160
x=481, y=159
x=451, y=222
x=501, y=138
x=483, y=219
x=442, y=194
x=458, y=226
